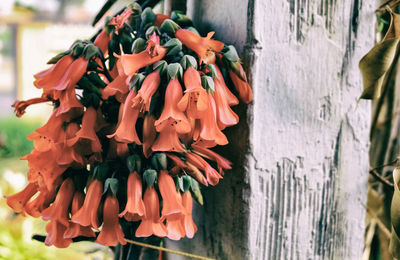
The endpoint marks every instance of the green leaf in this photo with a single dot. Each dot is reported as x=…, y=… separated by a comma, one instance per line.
x=113, y=184
x=56, y=58
x=174, y=70
x=188, y=61
x=150, y=176
x=101, y=171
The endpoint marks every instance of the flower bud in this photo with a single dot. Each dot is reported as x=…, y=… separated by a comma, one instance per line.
x=148, y=16
x=90, y=51
x=180, y=18
x=169, y=27
x=151, y=30
x=174, y=46
x=139, y=45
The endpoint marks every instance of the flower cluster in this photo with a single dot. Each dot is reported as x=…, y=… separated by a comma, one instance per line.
x=137, y=110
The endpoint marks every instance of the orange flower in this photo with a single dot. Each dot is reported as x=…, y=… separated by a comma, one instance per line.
x=69, y=77
x=111, y=232
x=131, y=63
x=102, y=41
x=223, y=164
x=171, y=115
x=174, y=225
x=232, y=99
x=211, y=174
x=87, y=215
x=160, y=18
x=134, y=204
x=68, y=101
x=168, y=192
x=68, y=155
x=195, y=100
x=190, y=226
x=21, y=106
x=225, y=116
x=146, y=91
x=120, y=20
x=242, y=87
x=42, y=201
x=204, y=47
x=168, y=140
x=210, y=134
x=87, y=131
x=56, y=71
x=120, y=84
x=151, y=223
x=55, y=236
x=59, y=210
x=149, y=134
x=18, y=200
x=74, y=229
x=126, y=130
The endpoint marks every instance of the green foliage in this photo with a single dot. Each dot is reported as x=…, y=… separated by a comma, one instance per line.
x=13, y=131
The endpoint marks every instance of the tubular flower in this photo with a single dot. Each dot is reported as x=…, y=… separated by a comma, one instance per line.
x=175, y=227
x=242, y=87
x=211, y=174
x=69, y=78
x=171, y=116
x=111, y=232
x=56, y=71
x=87, y=131
x=21, y=106
x=68, y=155
x=195, y=100
x=126, y=131
x=131, y=63
x=74, y=229
x=149, y=134
x=160, y=18
x=18, y=200
x=171, y=205
x=55, y=236
x=42, y=201
x=134, y=204
x=69, y=101
x=204, y=47
x=188, y=222
x=87, y=215
x=225, y=116
x=102, y=41
x=232, y=99
x=168, y=140
x=59, y=210
x=120, y=20
x=151, y=223
x=146, y=91
x=223, y=164
x=210, y=135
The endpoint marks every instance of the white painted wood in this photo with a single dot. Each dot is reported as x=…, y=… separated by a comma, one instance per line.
x=298, y=190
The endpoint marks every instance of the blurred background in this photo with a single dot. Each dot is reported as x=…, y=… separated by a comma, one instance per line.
x=31, y=32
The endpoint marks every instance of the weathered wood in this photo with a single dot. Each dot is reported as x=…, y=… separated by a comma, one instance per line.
x=298, y=190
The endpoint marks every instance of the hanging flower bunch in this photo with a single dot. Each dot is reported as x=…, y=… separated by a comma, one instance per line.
x=137, y=111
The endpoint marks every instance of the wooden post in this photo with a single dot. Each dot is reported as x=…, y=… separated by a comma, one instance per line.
x=299, y=184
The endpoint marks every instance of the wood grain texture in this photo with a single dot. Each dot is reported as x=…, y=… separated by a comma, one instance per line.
x=298, y=189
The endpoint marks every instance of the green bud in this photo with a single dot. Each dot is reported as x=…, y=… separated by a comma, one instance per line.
x=90, y=51
x=101, y=171
x=169, y=27
x=151, y=30
x=237, y=68
x=187, y=182
x=230, y=53
x=113, y=184
x=148, y=16
x=208, y=83
x=56, y=58
x=192, y=29
x=78, y=50
x=180, y=18
x=196, y=192
x=150, y=177
x=174, y=70
x=188, y=61
x=161, y=66
x=162, y=160
x=139, y=45
x=173, y=46
x=136, y=81
x=136, y=8
x=212, y=70
x=134, y=163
